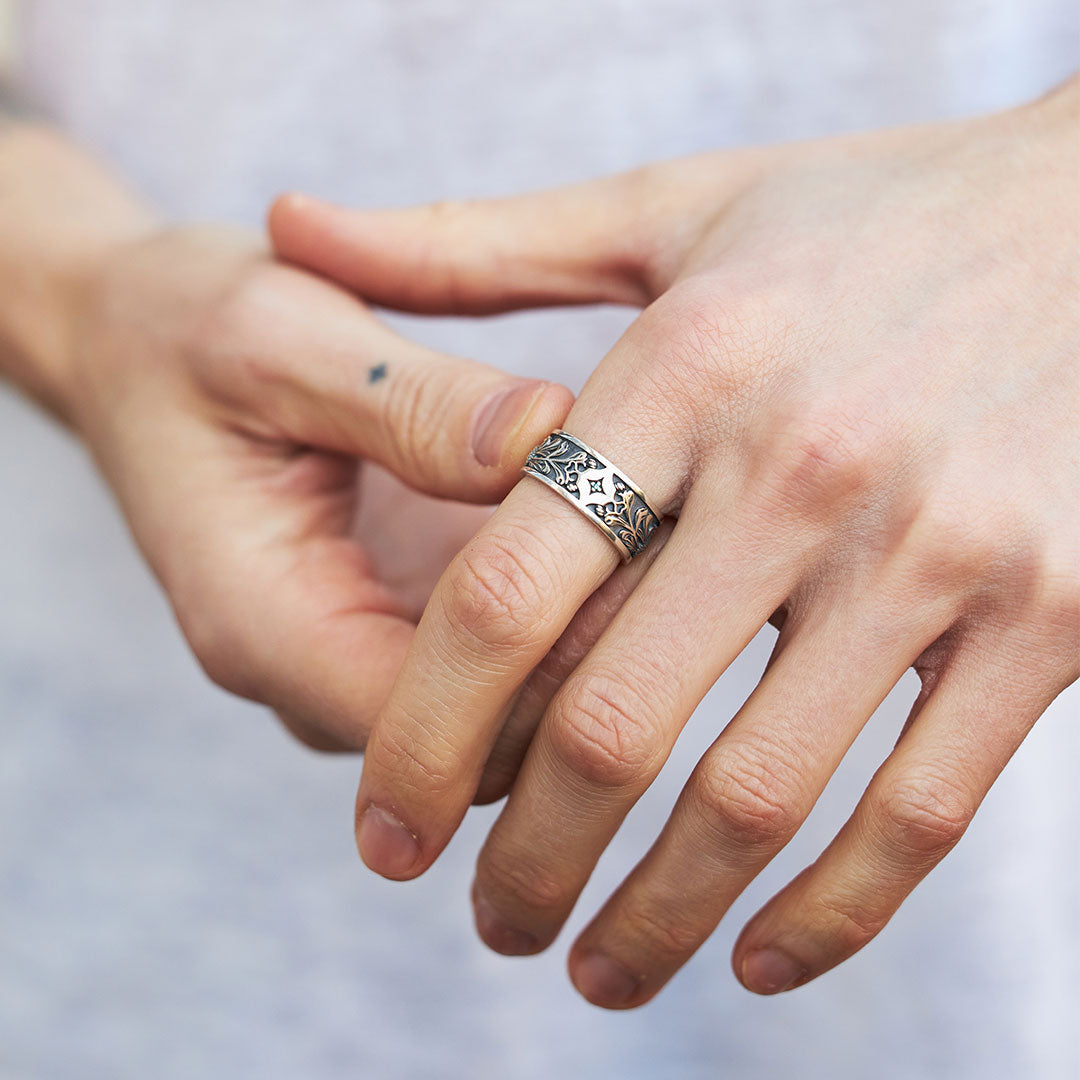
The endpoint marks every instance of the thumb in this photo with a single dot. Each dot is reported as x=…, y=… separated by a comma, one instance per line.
x=333, y=377
x=589, y=243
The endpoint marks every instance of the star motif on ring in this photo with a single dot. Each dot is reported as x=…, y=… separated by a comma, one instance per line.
x=596, y=487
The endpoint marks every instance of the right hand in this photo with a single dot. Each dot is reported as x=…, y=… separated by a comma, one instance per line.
x=855, y=386
x=233, y=404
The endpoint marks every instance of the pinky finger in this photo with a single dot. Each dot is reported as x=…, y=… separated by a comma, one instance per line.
x=913, y=813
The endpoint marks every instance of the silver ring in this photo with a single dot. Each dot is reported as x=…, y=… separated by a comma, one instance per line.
x=607, y=497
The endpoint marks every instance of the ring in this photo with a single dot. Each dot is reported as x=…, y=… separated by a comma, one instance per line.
x=608, y=498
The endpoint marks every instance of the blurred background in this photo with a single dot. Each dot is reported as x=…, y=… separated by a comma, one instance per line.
x=179, y=891
x=7, y=16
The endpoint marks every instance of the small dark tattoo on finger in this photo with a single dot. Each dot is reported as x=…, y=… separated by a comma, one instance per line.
x=377, y=373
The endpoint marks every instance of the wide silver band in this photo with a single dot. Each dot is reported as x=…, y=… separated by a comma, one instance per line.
x=607, y=497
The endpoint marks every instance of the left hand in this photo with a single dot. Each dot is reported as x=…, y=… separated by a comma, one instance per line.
x=296, y=474
x=856, y=385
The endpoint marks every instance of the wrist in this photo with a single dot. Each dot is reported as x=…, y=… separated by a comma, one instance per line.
x=61, y=216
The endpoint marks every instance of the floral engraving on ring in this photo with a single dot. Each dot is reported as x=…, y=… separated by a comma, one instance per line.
x=561, y=460
x=628, y=517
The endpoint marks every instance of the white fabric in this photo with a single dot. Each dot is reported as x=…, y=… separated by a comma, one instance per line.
x=180, y=893
x=6, y=12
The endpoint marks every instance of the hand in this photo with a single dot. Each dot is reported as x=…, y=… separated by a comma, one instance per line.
x=856, y=387
x=241, y=411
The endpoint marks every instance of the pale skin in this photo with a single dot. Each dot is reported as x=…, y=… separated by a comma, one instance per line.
x=273, y=446
x=854, y=391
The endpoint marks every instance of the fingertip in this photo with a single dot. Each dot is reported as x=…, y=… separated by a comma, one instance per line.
x=289, y=201
x=497, y=935
x=293, y=221
x=767, y=970
x=603, y=981
x=386, y=846
x=509, y=422
x=350, y=247
x=285, y=226
x=548, y=413
x=284, y=211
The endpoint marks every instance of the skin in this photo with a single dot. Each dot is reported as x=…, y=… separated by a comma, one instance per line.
x=276, y=450
x=853, y=390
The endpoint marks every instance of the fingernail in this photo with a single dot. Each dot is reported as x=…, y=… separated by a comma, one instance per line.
x=386, y=846
x=604, y=981
x=497, y=935
x=500, y=417
x=769, y=971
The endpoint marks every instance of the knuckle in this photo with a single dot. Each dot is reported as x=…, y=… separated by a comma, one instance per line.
x=703, y=339
x=1063, y=589
x=1058, y=602
x=657, y=932
x=310, y=735
x=234, y=343
x=239, y=313
x=455, y=278
x=603, y=731
x=411, y=764
x=231, y=677
x=220, y=652
x=851, y=924
x=498, y=592
x=520, y=884
x=712, y=333
x=747, y=797
x=825, y=457
x=956, y=540
x=922, y=818
x=413, y=421
x=642, y=262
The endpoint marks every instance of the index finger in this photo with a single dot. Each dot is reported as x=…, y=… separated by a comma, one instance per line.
x=498, y=609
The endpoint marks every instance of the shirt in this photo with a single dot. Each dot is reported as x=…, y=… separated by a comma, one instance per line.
x=182, y=896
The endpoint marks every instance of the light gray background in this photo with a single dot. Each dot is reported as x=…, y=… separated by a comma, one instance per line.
x=179, y=892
